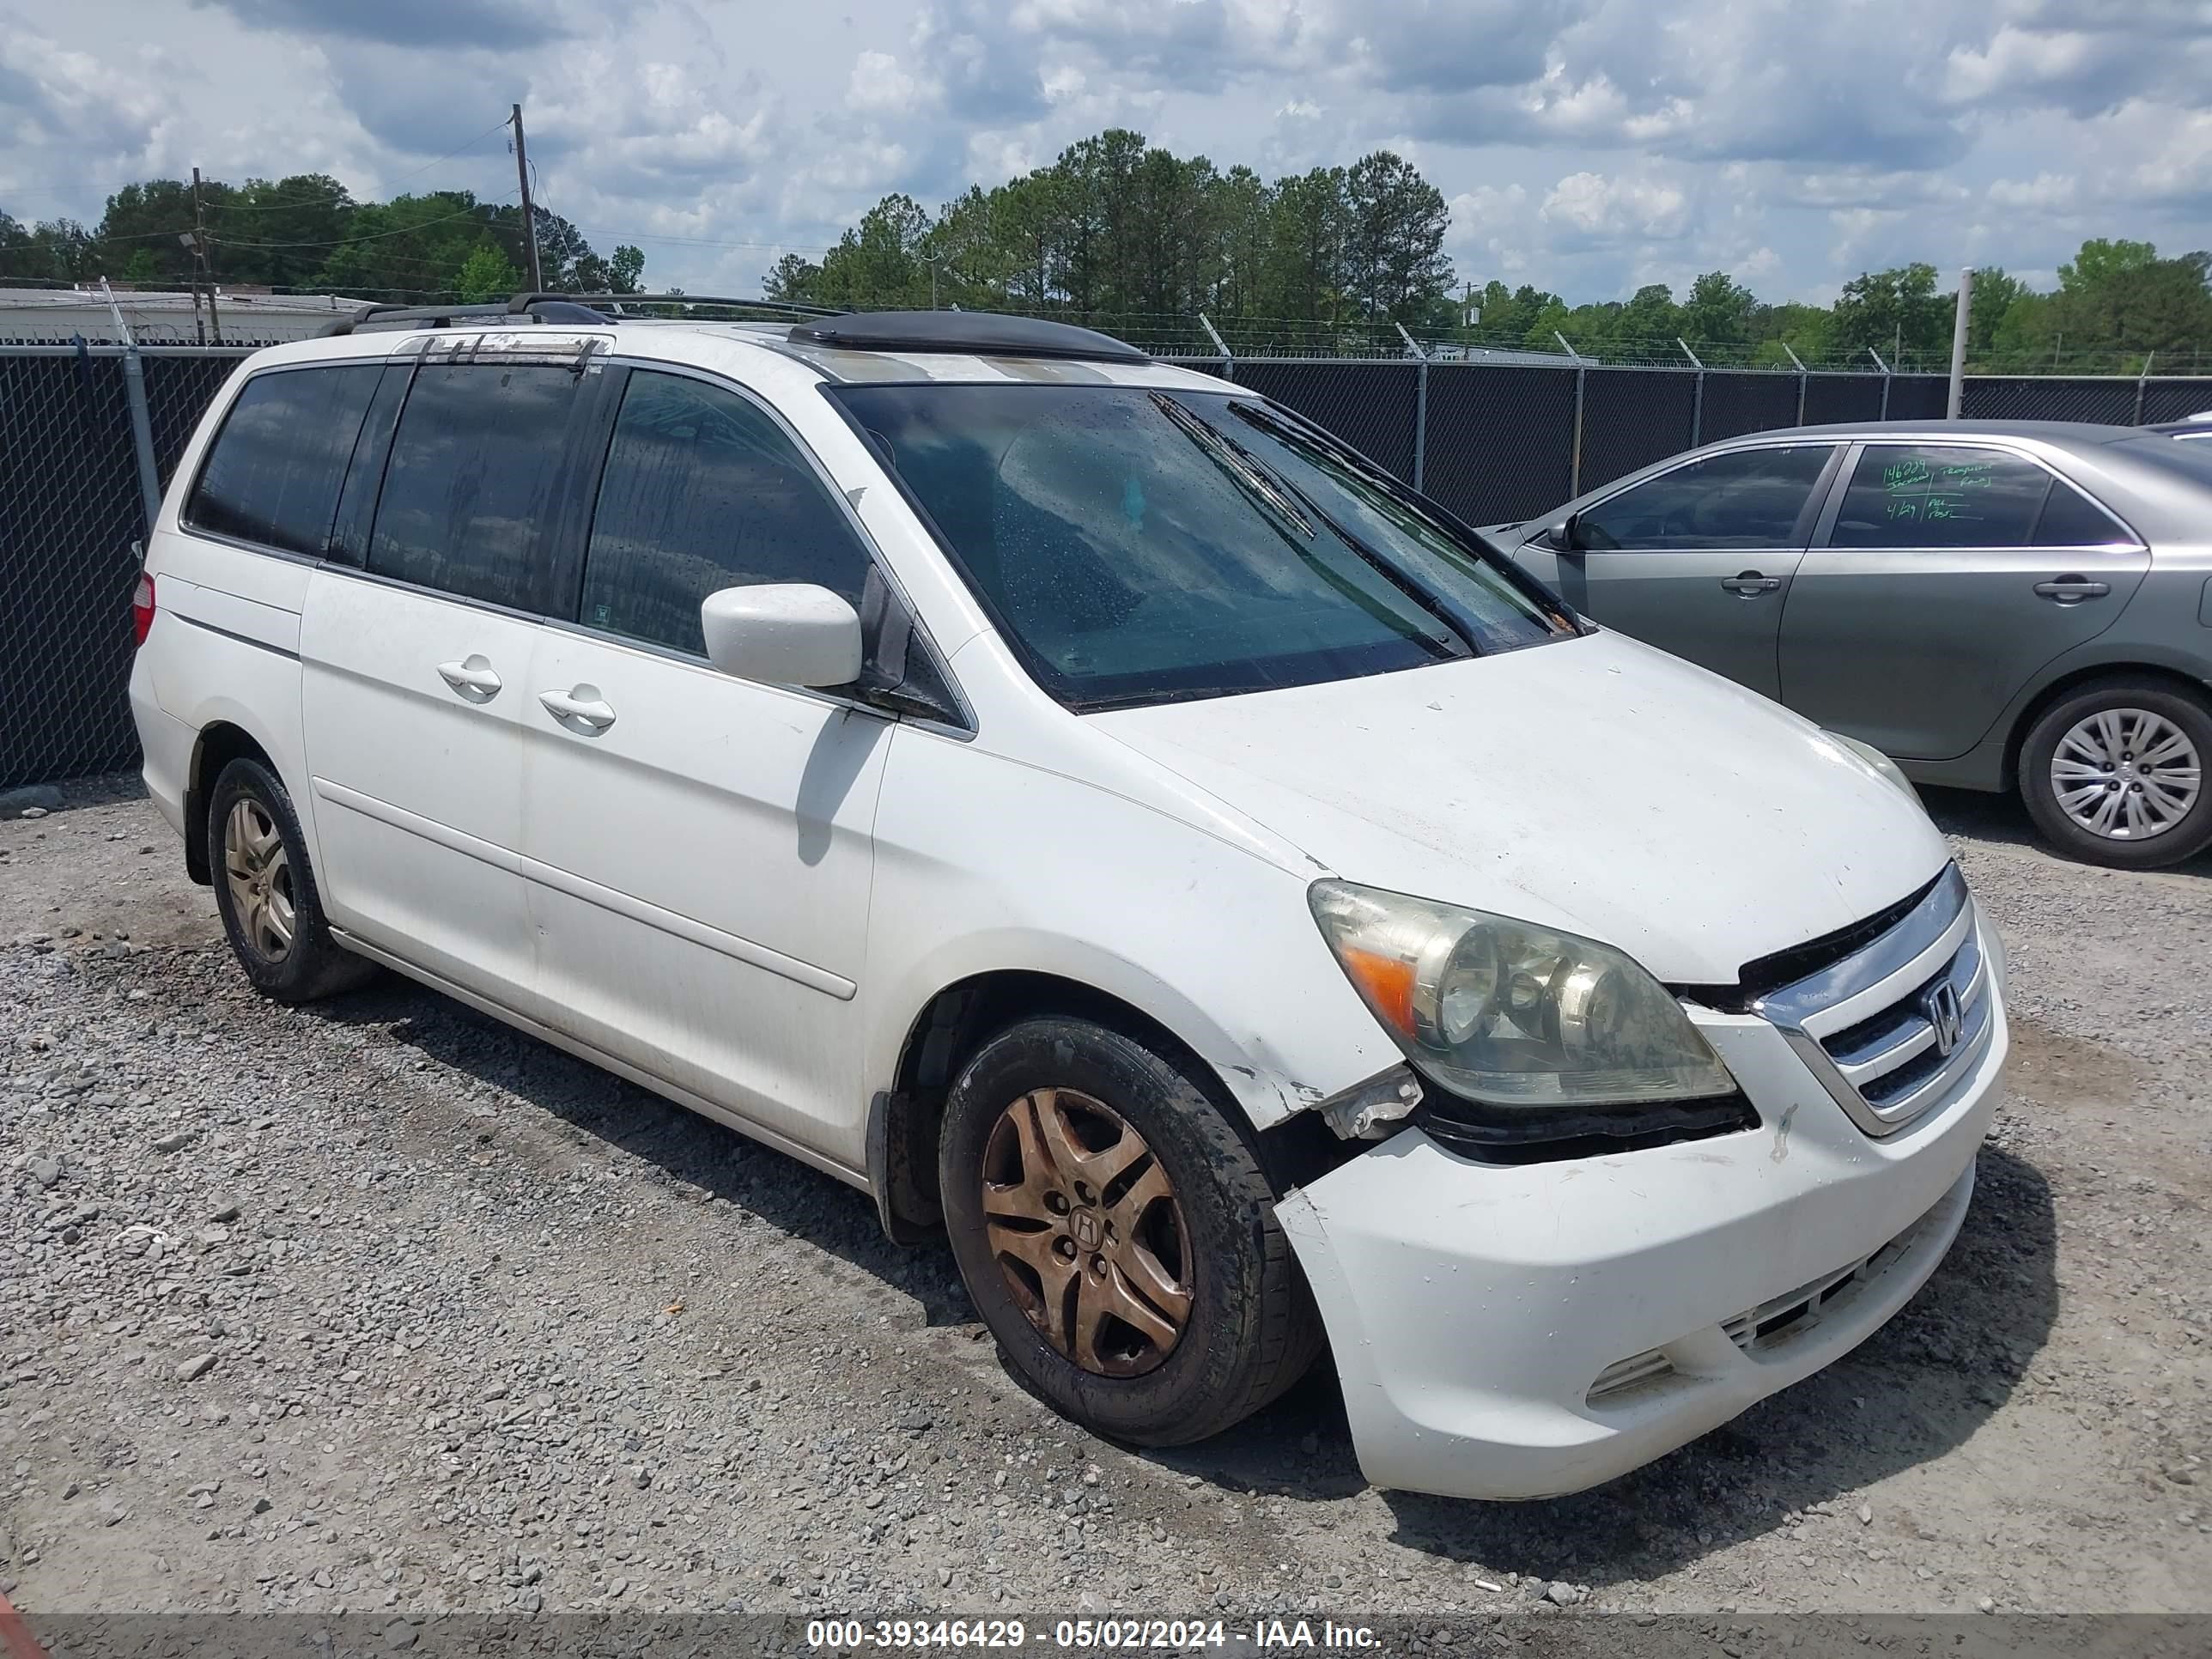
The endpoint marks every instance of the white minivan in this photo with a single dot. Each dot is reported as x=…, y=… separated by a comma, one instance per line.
x=1100, y=816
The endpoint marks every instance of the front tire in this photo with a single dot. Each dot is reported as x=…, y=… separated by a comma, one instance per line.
x=2113, y=774
x=1118, y=1236
x=265, y=890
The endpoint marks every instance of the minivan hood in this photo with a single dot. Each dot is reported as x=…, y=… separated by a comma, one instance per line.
x=1593, y=784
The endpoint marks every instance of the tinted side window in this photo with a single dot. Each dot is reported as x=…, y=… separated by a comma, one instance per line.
x=703, y=491
x=1940, y=496
x=1747, y=498
x=2072, y=519
x=470, y=490
x=273, y=473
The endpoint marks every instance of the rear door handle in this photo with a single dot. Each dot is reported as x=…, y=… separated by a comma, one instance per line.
x=1750, y=584
x=581, y=709
x=472, y=678
x=2072, y=590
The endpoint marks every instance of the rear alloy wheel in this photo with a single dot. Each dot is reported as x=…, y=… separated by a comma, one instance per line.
x=2114, y=773
x=259, y=872
x=265, y=891
x=1118, y=1236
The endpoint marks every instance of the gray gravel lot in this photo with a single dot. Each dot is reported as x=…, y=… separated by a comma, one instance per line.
x=378, y=1305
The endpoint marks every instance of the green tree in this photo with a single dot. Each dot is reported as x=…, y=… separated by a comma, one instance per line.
x=1395, y=221
x=2100, y=261
x=792, y=277
x=2124, y=299
x=487, y=274
x=1718, y=310
x=1895, y=310
x=277, y=233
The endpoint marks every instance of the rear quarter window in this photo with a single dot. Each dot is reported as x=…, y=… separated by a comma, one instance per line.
x=273, y=473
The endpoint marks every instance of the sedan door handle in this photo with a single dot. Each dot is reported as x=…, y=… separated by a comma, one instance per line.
x=1751, y=583
x=472, y=678
x=2072, y=590
x=580, y=709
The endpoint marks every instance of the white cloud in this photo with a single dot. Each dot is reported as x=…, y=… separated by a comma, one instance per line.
x=1581, y=144
x=879, y=84
x=1599, y=207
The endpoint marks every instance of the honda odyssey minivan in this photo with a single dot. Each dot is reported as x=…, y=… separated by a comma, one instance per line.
x=1104, y=818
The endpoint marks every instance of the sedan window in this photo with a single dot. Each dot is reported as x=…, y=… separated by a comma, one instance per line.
x=1746, y=498
x=1940, y=495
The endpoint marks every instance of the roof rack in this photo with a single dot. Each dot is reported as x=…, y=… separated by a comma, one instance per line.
x=566, y=308
x=980, y=333
x=719, y=301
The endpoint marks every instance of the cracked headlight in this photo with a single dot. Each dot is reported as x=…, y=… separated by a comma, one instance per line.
x=1512, y=1014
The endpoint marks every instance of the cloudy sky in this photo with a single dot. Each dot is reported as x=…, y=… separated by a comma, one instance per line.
x=1586, y=145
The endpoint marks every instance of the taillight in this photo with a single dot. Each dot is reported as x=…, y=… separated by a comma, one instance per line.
x=142, y=610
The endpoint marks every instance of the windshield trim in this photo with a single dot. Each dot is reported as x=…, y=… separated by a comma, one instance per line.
x=1567, y=623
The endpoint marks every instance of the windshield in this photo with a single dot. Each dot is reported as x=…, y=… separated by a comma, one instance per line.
x=1138, y=546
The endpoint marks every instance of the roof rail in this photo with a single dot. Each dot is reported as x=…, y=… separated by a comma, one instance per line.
x=569, y=308
x=543, y=308
x=983, y=333
x=720, y=302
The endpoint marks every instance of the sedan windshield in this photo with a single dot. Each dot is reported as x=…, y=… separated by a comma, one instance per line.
x=1138, y=546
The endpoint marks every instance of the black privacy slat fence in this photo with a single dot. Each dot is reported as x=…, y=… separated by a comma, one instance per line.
x=1490, y=442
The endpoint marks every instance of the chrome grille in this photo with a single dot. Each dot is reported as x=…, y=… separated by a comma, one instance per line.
x=1889, y=1027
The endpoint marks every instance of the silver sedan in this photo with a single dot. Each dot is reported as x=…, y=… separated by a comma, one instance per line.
x=2000, y=605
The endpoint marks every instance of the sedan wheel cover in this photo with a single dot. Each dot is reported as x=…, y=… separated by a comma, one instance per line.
x=258, y=873
x=2126, y=774
x=1083, y=1223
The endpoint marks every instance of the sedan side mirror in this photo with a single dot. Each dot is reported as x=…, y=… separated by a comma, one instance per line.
x=782, y=634
x=1559, y=535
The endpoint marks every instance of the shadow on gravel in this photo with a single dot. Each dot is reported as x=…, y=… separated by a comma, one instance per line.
x=1915, y=1390
x=2001, y=818
x=685, y=1148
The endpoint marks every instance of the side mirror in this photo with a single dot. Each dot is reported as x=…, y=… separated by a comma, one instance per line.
x=782, y=634
x=1560, y=534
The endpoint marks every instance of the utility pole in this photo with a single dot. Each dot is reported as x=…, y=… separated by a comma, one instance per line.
x=206, y=262
x=1959, y=342
x=529, y=219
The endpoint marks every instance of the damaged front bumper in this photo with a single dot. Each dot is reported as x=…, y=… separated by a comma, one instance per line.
x=1527, y=1330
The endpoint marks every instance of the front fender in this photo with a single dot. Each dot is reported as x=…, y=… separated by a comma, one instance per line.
x=1214, y=943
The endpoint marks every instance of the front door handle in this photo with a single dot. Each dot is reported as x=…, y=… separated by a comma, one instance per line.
x=472, y=678
x=581, y=709
x=2072, y=590
x=1750, y=584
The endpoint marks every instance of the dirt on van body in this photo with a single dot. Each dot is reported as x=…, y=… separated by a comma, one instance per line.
x=377, y=1306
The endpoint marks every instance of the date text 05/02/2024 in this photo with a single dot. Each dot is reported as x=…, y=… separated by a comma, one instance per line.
x=1105, y=1635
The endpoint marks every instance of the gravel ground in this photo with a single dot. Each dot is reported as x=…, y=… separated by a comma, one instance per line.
x=378, y=1305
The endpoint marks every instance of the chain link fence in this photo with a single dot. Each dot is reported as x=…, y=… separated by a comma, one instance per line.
x=1490, y=441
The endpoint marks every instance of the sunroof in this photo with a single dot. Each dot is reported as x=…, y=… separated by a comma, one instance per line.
x=981, y=333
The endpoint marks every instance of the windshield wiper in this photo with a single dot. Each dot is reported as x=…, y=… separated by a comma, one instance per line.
x=1298, y=439
x=1461, y=626
x=1233, y=458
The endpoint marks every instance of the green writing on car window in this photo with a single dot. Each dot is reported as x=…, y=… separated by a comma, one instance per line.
x=1915, y=492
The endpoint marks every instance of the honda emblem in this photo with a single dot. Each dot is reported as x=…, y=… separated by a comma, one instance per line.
x=1945, y=1017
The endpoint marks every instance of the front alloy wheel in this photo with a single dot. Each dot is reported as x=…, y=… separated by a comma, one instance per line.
x=1118, y=1235
x=1083, y=1223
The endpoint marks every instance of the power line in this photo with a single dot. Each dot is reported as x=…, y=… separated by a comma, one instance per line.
x=697, y=241
x=498, y=125
x=376, y=236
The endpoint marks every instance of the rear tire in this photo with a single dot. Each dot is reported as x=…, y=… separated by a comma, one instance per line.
x=265, y=890
x=1086, y=1178
x=2113, y=774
